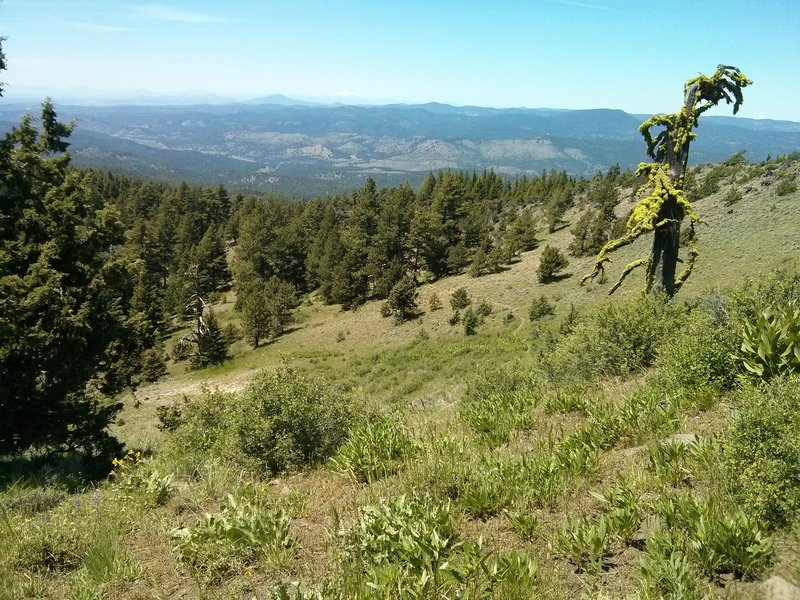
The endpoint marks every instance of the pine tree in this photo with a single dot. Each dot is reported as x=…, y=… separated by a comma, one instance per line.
x=403, y=299
x=211, y=345
x=210, y=256
x=64, y=296
x=267, y=310
x=551, y=263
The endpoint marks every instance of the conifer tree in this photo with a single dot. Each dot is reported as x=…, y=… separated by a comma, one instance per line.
x=551, y=263
x=64, y=295
x=267, y=310
x=403, y=299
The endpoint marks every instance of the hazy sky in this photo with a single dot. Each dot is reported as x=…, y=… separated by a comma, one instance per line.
x=627, y=54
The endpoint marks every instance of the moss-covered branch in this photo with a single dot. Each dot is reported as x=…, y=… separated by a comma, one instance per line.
x=663, y=205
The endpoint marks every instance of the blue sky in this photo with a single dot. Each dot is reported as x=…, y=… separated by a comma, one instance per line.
x=536, y=53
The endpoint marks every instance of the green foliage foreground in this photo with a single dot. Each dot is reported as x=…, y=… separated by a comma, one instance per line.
x=536, y=487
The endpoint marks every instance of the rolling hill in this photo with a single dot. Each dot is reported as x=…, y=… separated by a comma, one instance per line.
x=301, y=149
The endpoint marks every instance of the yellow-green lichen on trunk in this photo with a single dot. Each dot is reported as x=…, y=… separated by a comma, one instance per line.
x=663, y=205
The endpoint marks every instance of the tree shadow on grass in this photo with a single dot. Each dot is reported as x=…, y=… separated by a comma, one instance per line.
x=559, y=277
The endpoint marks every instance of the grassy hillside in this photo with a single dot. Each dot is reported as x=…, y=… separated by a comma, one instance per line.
x=424, y=360
x=606, y=457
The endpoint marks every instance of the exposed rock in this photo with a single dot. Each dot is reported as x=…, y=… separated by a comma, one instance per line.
x=777, y=588
x=683, y=438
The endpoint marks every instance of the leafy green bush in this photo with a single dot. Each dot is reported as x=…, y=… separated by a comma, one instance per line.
x=499, y=380
x=730, y=543
x=587, y=543
x=282, y=421
x=668, y=461
x=771, y=344
x=698, y=354
x=499, y=402
x=666, y=571
x=762, y=450
x=414, y=532
x=451, y=469
x=137, y=479
x=374, y=450
x=715, y=539
x=244, y=532
x=525, y=524
x=567, y=399
x=787, y=185
x=623, y=507
x=777, y=289
x=446, y=466
x=614, y=339
x=497, y=417
x=489, y=493
x=409, y=548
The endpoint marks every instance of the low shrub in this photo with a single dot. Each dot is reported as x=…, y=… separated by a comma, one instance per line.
x=787, y=185
x=669, y=462
x=409, y=548
x=374, y=450
x=761, y=450
x=587, y=543
x=567, y=399
x=698, y=353
x=771, y=343
x=666, y=572
x=137, y=479
x=244, y=532
x=623, y=507
x=281, y=422
x=614, y=339
x=540, y=308
x=733, y=196
x=497, y=417
x=716, y=539
x=777, y=289
x=500, y=380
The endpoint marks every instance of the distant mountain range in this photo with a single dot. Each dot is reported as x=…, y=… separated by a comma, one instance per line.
x=303, y=149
